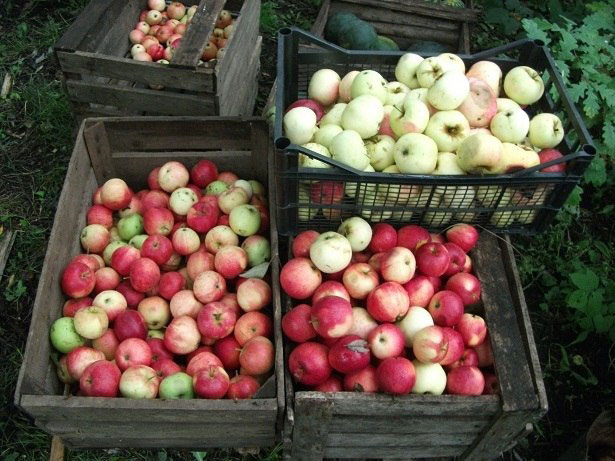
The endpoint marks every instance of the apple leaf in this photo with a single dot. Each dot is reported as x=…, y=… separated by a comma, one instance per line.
x=256, y=272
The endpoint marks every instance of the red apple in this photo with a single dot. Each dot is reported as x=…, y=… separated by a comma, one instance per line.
x=420, y=291
x=384, y=238
x=473, y=329
x=203, y=216
x=396, y=375
x=360, y=279
x=182, y=335
x=74, y=304
x=112, y=302
x=467, y=267
x=257, y=356
x=362, y=322
x=211, y=383
x=430, y=344
x=219, y=237
x=129, y=324
x=299, y=278
x=170, y=284
x=466, y=286
x=196, y=352
x=463, y=235
x=159, y=351
x=230, y=261
x=436, y=282
x=253, y=294
x=437, y=238
x=465, y=381
x=227, y=349
x=386, y=340
x=303, y=242
x=133, y=297
x=446, y=308
x=389, y=302
x=216, y=321
x=330, y=288
x=107, y=344
x=457, y=259
x=165, y=367
x=78, y=280
x=132, y=352
x=144, y=275
x=155, y=199
x=106, y=279
x=89, y=260
x=412, y=237
x=185, y=241
x=327, y=192
x=100, y=379
x=546, y=155
x=123, y=258
x=484, y=353
x=201, y=361
x=332, y=317
x=468, y=358
x=333, y=384
x=115, y=194
x=209, y=286
x=227, y=177
x=308, y=364
x=99, y=214
x=158, y=221
x=80, y=358
x=364, y=380
x=432, y=259
x=173, y=263
x=199, y=261
x=242, y=387
x=158, y=248
x=318, y=109
x=204, y=172
x=454, y=348
x=184, y=303
x=152, y=179
x=375, y=260
x=398, y=265
x=349, y=354
x=252, y=324
x=297, y=325
x=230, y=300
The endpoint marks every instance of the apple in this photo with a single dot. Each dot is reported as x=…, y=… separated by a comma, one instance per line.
x=182, y=335
x=129, y=324
x=100, y=379
x=257, y=356
x=230, y=300
x=300, y=125
x=158, y=221
x=432, y=259
x=380, y=151
x=302, y=243
x=524, y=85
x=546, y=155
x=316, y=107
x=158, y=350
x=170, y=284
x=139, y=382
x=106, y=279
x=448, y=129
x=155, y=311
x=333, y=384
x=78, y=359
x=432, y=68
x=430, y=344
x=388, y=302
x=510, y=125
x=416, y=153
x=253, y=294
x=386, y=340
x=396, y=375
x=232, y=198
x=454, y=348
x=430, y=378
x=144, y=27
x=74, y=304
x=184, y=302
x=331, y=252
x=198, y=262
x=245, y=220
x=144, y=275
x=115, y=194
x=215, y=188
x=363, y=114
x=349, y=354
x=185, y=241
x=412, y=117
x=473, y=329
x=78, y=280
x=360, y=279
x=468, y=358
x=297, y=325
x=449, y=90
x=252, y=324
x=514, y=158
x=398, y=265
x=308, y=364
x=219, y=237
x=457, y=259
x=481, y=104
x=333, y=115
x=133, y=297
x=369, y=82
x=465, y=380
x=176, y=386
x=345, y=86
x=209, y=286
x=94, y=238
x=412, y=237
x=385, y=125
x=406, y=69
x=357, y=231
x=348, y=148
x=139, y=50
x=396, y=93
x=132, y=352
x=242, y=387
x=489, y=72
x=123, y=258
x=466, y=286
x=93, y=261
x=203, y=360
x=324, y=87
x=91, y=322
x=203, y=173
x=62, y=371
x=364, y=380
x=479, y=152
x=173, y=175
x=215, y=320
x=463, y=235
x=330, y=288
x=230, y=261
x=227, y=349
x=331, y=317
x=362, y=323
x=414, y=321
x=420, y=290
x=323, y=138
x=546, y=131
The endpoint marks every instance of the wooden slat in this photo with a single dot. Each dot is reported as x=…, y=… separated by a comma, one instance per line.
x=56, y=453
x=97, y=144
x=310, y=429
x=94, y=64
x=196, y=37
x=163, y=102
x=413, y=32
x=384, y=424
x=6, y=243
x=267, y=390
x=116, y=42
x=193, y=443
x=404, y=453
x=318, y=27
x=407, y=440
x=418, y=7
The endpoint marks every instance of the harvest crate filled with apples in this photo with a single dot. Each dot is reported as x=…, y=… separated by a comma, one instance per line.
x=424, y=139
x=157, y=303
x=151, y=57
x=403, y=343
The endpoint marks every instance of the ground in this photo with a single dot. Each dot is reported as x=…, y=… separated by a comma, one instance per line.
x=36, y=137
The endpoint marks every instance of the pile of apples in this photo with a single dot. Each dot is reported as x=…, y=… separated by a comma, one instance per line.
x=393, y=314
x=437, y=118
x=160, y=29
x=160, y=303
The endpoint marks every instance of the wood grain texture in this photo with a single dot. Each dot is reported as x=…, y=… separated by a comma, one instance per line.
x=197, y=35
x=189, y=443
x=97, y=144
x=56, y=452
x=418, y=7
x=6, y=244
x=115, y=41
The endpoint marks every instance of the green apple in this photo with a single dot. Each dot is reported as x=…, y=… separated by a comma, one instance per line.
x=258, y=250
x=137, y=241
x=109, y=249
x=524, y=85
x=479, y=152
x=216, y=188
x=431, y=68
x=114, y=235
x=176, y=386
x=416, y=153
x=326, y=133
x=348, y=148
x=64, y=336
x=257, y=187
x=369, y=82
x=510, y=125
x=334, y=116
x=182, y=199
x=546, y=131
x=396, y=93
x=448, y=128
x=380, y=151
x=245, y=220
x=449, y=90
x=130, y=225
x=306, y=161
x=405, y=71
x=151, y=334
x=363, y=114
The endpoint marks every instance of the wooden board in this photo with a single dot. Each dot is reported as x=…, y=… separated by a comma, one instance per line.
x=6, y=244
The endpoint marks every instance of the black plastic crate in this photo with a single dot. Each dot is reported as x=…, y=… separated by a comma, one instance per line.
x=523, y=202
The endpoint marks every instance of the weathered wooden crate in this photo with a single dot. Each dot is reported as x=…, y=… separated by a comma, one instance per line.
x=129, y=148
x=101, y=78
x=354, y=425
x=407, y=21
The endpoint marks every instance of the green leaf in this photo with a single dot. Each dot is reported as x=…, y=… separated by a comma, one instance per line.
x=534, y=32
x=567, y=45
x=596, y=172
x=608, y=136
x=580, y=338
x=577, y=299
x=256, y=272
x=587, y=281
x=577, y=90
x=199, y=455
x=591, y=105
x=502, y=17
x=602, y=323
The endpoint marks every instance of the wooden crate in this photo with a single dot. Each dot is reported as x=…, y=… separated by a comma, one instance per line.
x=129, y=148
x=101, y=78
x=407, y=21
x=354, y=425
